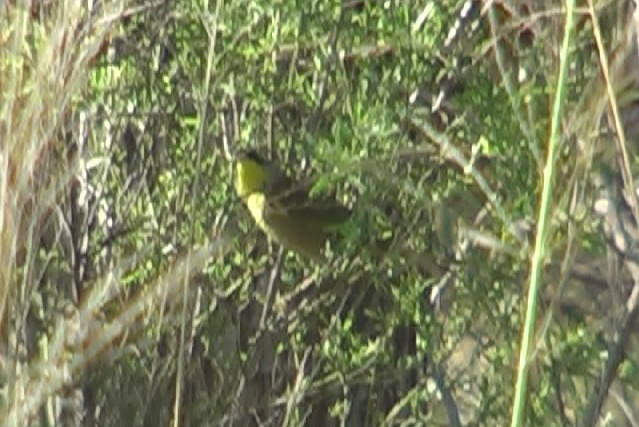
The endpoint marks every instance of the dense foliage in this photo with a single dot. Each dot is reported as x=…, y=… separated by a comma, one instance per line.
x=138, y=291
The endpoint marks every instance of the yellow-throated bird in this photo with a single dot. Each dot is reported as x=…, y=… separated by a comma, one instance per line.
x=283, y=209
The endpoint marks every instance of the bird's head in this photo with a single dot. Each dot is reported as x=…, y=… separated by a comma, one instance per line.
x=251, y=174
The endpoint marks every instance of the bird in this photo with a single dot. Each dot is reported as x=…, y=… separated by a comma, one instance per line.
x=282, y=207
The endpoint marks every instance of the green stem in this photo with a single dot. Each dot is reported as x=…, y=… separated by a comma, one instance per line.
x=542, y=226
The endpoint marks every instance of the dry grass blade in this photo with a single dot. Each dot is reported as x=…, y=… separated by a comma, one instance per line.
x=45, y=55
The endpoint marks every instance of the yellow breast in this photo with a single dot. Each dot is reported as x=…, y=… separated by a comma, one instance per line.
x=256, y=203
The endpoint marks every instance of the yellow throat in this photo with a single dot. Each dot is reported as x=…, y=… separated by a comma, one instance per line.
x=252, y=177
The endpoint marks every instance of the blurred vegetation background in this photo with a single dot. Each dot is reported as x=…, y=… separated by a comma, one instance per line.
x=136, y=290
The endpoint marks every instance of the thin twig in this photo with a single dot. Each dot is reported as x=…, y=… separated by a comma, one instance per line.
x=274, y=278
x=447, y=396
x=455, y=155
x=616, y=355
x=605, y=69
x=313, y=121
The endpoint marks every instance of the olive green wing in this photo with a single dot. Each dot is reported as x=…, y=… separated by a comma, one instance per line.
x=323, y=214
x=293, y=231
x=294, y=196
